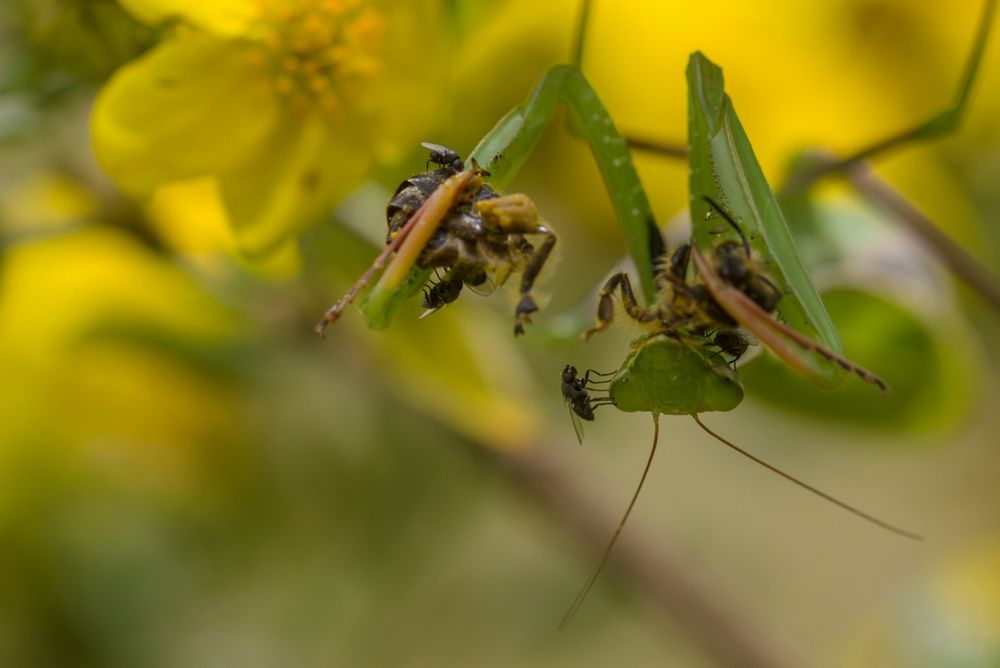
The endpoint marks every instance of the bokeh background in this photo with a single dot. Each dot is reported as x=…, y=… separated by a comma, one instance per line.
x=188, y=476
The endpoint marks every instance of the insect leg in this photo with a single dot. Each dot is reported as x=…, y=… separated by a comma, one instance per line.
x=674, y=274
x=605, y=304
x=527, y=305
x=605, y=376
x=600, y=401
x=516, y=214
x=676, y=271
x=729, y=219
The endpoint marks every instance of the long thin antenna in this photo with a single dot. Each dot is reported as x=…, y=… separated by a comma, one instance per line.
x=614, y=539
x=786, y=476
x=729, y=219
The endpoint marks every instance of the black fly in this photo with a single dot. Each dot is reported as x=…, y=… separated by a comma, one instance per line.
x=575, y=391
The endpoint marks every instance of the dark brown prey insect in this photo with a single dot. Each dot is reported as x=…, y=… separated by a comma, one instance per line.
x=481, y=241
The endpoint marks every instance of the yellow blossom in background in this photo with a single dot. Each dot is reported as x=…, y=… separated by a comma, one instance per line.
x=71, y=378
x=189, y=217
x=800, y=74
x=189, y=477
x=44, y=201
x=286, y=105
x=950, y=616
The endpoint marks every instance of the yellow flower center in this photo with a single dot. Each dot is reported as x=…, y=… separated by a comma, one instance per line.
x=318, y=53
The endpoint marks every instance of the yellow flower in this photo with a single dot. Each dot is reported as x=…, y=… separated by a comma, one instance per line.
x=74, y=391
x=287, y=104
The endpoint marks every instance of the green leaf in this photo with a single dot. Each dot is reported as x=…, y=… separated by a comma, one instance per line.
x=723, y=166
x=505, y=149
x=379, y=312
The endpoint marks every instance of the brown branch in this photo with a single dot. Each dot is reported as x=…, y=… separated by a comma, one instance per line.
x=938, y=125
x=677, y=150
x=959, y=261
x=717, y=630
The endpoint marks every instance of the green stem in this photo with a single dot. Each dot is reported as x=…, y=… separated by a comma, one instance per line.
x=505, y=149
x=940, y=124
x=576, y=56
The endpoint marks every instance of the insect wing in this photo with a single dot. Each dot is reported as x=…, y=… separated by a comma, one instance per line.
x=577, y=423
x=484, y=289
x=428, y=312
x=435, y=148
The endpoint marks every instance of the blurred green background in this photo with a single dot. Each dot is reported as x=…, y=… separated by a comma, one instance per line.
x=188, y=476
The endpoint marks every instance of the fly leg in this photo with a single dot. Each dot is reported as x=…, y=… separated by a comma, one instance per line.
x=587, y=384
x=605, y=377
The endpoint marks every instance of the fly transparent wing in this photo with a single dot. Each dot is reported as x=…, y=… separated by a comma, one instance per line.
x=577, y=423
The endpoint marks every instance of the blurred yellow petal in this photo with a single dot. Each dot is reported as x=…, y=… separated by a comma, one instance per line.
x=290, y=180
x=288, y=117
x=186, y=109
x=950, y=617
x=101, y=273
x=409, y=95
x=283, y=263
x=57, y=384
x=223, y=17
x=188, y=216
x=45, y=201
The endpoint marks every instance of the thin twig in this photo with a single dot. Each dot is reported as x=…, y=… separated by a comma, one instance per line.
x=959, y=261
x=940, y=124
x=676, y=150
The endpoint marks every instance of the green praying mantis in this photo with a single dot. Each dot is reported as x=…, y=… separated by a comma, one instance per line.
x=678, y=367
